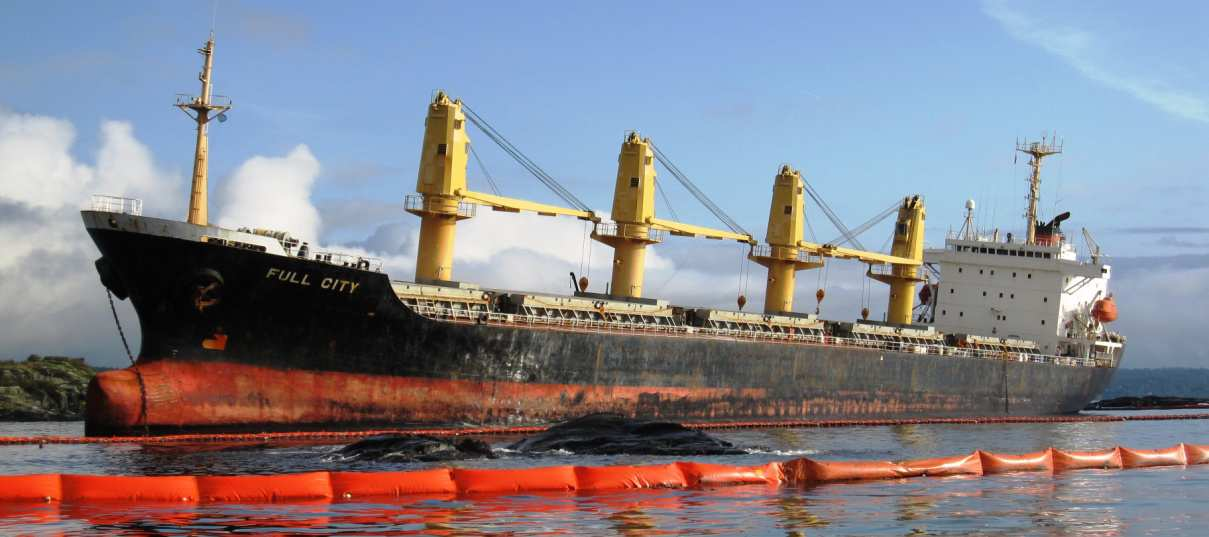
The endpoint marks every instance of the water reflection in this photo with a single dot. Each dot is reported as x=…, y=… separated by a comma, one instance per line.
x=1090, y=502
x=793, y=513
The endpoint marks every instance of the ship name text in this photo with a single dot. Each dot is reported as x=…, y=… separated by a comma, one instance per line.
x=299, y=278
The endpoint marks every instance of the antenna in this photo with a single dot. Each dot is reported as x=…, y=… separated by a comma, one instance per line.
x=1037, y=150
x=202, y=106
x=967, y=231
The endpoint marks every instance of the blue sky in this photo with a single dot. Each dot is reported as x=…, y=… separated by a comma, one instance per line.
x=872, y=100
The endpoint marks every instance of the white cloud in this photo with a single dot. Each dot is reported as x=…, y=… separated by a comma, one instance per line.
x=1162, y=310
x=1082, y=50
x=35, y=166
x=273, y=193
x=53, y=300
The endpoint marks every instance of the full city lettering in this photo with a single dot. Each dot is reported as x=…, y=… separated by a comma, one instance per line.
x=289, y=276
x=338, y=285
x=302, y=279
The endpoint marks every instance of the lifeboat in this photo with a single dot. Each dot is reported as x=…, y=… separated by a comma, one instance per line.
x=1105, y=310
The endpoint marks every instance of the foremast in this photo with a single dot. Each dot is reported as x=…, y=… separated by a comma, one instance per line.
x=203, y=110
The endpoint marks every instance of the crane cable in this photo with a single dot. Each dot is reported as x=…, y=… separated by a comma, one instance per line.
x=666, y=201
x=524, y=161
x=697, y=193
x=490, y=180
x=835, y=219
x=856, y=231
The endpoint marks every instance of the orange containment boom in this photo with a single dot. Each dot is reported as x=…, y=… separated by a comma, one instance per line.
x=452, y=482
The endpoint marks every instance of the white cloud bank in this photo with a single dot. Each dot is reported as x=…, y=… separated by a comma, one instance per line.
x=1082, y=49
x=51, y=295
x=273, y=193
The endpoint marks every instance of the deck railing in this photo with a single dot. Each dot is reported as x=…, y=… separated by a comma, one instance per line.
x=117, y=204
x=596, y=325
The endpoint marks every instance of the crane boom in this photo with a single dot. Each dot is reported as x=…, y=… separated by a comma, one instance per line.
x=840, y=252
x=690, y=230
x=503, y=203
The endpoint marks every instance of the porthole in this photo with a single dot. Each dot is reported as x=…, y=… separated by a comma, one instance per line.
x=961, y=314
x=950, y=290
x=1013, y=274
x=1030, y=276
x=1042, y=322
x=1045, y=299
x=1000, y=295
x=980, y=271
x=1013, y=296
x=958, y=269
x=984, y=293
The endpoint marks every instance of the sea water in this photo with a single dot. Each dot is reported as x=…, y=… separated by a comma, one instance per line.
x=1165, y=500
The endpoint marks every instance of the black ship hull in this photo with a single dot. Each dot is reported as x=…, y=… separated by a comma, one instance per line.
x=240, y=339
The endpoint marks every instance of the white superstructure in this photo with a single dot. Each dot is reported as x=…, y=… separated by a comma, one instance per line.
x=1008, y=289
x=1034, y=289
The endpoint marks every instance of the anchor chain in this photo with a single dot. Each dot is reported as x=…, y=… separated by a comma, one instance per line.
x=133, y=366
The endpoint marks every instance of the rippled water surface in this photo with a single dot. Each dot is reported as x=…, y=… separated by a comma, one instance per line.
x=1090, y=502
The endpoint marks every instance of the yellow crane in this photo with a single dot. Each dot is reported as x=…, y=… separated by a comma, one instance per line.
x=786, y=252
x=444, y=198
x=635, y=225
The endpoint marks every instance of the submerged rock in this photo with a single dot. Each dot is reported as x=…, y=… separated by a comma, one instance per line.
x=1148, y=402
x=613, y=434
x=408, y=448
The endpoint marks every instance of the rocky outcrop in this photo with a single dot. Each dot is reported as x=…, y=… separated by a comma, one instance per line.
x=411, y=448
x=47, y=388
x=1148, y=402
x=611, y=434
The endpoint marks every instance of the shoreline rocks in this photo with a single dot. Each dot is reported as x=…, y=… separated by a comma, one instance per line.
x=50, y=388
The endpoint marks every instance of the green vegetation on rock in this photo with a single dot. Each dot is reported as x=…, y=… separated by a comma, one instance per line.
x=43, y=388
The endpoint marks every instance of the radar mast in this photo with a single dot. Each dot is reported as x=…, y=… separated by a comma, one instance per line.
x=1038, y=151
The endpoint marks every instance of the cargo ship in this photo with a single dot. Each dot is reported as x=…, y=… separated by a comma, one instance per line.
x=252, y=329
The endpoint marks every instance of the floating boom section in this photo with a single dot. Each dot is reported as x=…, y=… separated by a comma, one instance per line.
x=782, y=257
x=444, y=198
x=635, y=225
x=909, y=244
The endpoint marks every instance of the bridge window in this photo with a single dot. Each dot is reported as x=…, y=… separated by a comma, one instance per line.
x=633, y=182
x=442, y=148
x=789, y=209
